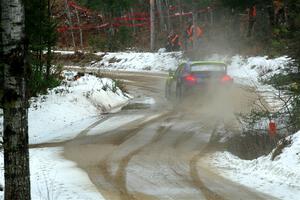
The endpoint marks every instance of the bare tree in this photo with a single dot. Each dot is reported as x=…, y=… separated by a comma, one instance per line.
x=80, y=30
x=161, y=15
x=180, y=17
x=168, y=15
x=15, y=104
x=195, y=25
x=152, y=20
x=70, y=22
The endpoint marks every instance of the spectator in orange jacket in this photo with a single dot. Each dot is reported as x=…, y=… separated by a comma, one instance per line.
x=252, y=19
x=190, y=35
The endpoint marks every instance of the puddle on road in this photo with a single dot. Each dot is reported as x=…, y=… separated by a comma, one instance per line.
x=136, y=106
x=140, y=103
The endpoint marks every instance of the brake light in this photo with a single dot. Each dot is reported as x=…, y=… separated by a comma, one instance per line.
x=191, y=78
x=226, y=79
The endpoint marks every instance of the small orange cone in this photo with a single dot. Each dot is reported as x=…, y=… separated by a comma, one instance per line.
x=272, y=128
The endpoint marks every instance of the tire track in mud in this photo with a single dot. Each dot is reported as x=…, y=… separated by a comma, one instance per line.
x=209, y=194
x=99, y=170
x=198, y=183
x=118, y=181
x=121, y=178
x=85, y=131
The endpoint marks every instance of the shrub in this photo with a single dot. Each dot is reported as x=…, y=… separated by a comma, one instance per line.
x=119, y=84
x=39, y=84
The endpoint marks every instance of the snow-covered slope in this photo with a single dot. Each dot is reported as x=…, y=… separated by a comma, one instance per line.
x=70, y=108
x=251, y=71
x=52, y=177
x=133, y=61
x=245, y=70
x=280, y=178
x=58, y=116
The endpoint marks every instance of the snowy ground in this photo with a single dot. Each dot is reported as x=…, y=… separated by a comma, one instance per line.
x=53, y=177
x=61, y=115
x=133, y=61
x=250, y=71
x=280, y=178
x=71, y=108
x=247, y=71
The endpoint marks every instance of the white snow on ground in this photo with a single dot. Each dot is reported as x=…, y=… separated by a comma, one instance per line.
x=53, y=177
x=247, y=71
x=280, y=178
x=133, y=61
x=64, y=52
x=250, y=71
x=68, y=109
x=58, y=116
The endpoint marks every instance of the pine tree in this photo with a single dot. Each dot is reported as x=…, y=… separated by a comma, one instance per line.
x=41, y=33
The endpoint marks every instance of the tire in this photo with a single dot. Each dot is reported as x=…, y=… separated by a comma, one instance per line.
x=179, y=92
x=167, y=91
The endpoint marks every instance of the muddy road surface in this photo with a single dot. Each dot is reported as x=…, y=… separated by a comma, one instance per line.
x=156, y=155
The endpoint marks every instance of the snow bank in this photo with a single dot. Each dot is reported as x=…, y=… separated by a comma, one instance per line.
x=132, y=61
x=251, y=71
x=246, y=71
x=70, y=108
x=53, y=177
x=280, y=178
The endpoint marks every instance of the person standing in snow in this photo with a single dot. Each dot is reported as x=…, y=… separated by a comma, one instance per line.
x=252, y=19
x=174, y=43
x=190, y=31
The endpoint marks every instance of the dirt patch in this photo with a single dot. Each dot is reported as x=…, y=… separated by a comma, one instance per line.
x=284, y=142
x=247, y=146
x=209, y=194
x=136, y=106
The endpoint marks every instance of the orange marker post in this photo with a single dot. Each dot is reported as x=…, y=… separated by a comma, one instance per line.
x=272, y=129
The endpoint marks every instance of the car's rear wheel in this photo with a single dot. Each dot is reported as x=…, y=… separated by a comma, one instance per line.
x=167, y=91
x=179, y=92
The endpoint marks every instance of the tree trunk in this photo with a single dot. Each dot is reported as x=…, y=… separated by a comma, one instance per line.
x=80, y=30
x=152, y=18
x=180, y=19
x=133, y=21
x=48, y=67
x=15, y=140
x=195, y=24
x=70, y=22
x=161, y=15
x=168, y=17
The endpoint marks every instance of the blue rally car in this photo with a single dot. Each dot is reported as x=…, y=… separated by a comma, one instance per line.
x=195, y=78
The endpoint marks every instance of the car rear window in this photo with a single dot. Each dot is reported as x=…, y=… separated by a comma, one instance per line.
x=208, y=68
